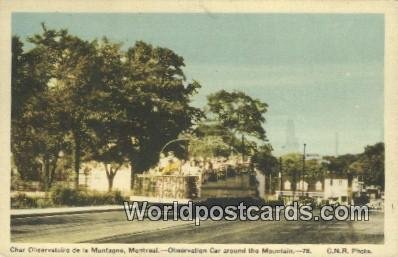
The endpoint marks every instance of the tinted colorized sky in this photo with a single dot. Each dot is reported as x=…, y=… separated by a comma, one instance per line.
x=323, y=71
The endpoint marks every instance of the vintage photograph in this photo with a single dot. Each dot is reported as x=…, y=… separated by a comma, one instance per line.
x=229, y=115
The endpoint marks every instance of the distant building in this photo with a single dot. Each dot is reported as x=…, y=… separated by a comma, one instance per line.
x=313, y=156
x=357, y=187
x=291, y=144
x=374, y=192
x=93, y=177
x=290, y=192
x=336, y=189
x=332, y=189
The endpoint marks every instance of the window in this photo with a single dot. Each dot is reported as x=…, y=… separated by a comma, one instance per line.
x=302, y=185
x=287, y=185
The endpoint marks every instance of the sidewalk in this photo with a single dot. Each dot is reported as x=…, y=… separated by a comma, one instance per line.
x=86, y=226
x=20, y=213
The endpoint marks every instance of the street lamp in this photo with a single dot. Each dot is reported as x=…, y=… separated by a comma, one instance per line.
x=280, y=178
x=172, y=141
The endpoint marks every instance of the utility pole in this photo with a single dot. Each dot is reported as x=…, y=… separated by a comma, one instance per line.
x=280, y=177
x=302, y=178
x=270, y=183
x=243, y=148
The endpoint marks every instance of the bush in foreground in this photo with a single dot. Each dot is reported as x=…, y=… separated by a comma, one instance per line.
x=72, y=197
x=63, y=196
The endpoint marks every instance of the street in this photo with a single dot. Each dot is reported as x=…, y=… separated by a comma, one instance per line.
x=112, y=227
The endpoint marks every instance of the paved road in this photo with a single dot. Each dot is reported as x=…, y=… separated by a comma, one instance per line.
x=112, y=227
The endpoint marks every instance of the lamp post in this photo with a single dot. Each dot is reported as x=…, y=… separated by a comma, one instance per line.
x=302, y=176
x=172, y=141
x=243, y=148
x=280, y=178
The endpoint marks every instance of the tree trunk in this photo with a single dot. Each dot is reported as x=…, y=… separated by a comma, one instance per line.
x=132, y=175
x=52, y=171
x=46, y=166
x=77, y=158
x=270, y=183
x=110, y=174
x=110, y=183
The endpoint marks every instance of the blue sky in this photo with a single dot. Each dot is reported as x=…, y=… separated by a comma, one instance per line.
x=323, y=71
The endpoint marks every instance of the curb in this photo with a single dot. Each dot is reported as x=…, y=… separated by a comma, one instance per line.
x=24, y=213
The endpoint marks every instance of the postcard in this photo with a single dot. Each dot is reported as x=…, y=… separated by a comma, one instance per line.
x=211, y=128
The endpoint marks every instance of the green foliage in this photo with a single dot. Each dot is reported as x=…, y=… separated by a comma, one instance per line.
x=369, y=165
x=160, y=109
x=71, y=66
x=265, y=161
x=292, y=166
x=275, y=202
x=61, y=196
x=340, y=164
x=208, y=146
x=234, y=116
x=36, y=138
x=50, y=85
x=238, y=112
x=44, y=203
x=22, y=144
x=22, y=201
x=94, y=101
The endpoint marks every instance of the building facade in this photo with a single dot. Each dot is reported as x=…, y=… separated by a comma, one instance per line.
x=331, y=189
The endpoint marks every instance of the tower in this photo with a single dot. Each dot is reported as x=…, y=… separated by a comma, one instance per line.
x=291, y=144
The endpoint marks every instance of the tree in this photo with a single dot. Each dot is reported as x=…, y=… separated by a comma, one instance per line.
x=36, y=139
x=204, y=129
x=370, y=165
x=239, y=114
x=44, y=133
x=71, y=76
x=340, y=165
x=374, y=156
x=265, y=161
x=95, y=101
x=108, y=149
x=293, y=169
x=156, y=103
x=21, y=147
x=105, y=117
x=208, y=147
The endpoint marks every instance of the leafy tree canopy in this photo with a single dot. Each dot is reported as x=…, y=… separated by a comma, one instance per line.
x=238, y=113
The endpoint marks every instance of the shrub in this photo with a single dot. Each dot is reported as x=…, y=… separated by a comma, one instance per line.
x=72, y=197
x=64, y=196
x=22, y=201
x=98, y=198
x=44, y=203
x=275, y=202
x=116, y=197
